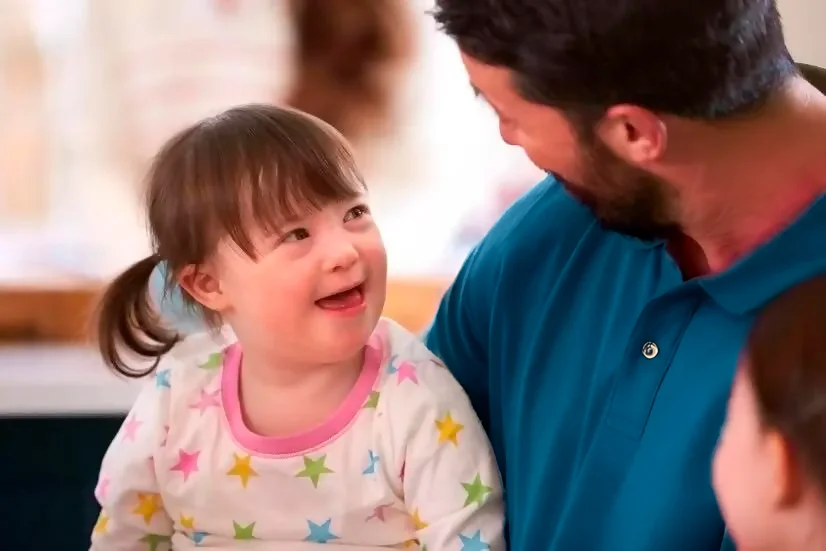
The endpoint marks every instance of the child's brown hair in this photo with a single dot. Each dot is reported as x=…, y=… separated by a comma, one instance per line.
x=786, y=363
x=251, y=166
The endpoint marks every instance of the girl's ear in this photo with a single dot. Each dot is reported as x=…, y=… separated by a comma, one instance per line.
x=203, y=285
x=788, y=480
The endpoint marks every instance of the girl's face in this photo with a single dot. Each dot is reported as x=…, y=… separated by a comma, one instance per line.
x=315, y=292
x=744, y=472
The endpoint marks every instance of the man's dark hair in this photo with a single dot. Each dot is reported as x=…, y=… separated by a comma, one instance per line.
x=703, y=59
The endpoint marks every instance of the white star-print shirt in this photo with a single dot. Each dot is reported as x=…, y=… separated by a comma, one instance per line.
x=404, y=462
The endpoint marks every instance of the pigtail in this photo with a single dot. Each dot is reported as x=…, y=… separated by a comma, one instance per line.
x=127, y=319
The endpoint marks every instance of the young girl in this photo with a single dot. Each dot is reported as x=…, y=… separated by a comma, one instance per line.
x=770, y=465
x=323, y=423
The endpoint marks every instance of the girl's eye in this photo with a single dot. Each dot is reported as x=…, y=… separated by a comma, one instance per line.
x=359, y=211
x=297, y=234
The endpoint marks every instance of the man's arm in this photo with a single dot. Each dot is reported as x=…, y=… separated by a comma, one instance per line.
x=728, y=543
x=545, y=223
x=459, y=331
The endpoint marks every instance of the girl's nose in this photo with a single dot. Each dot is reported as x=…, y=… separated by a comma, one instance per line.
x=341, y=256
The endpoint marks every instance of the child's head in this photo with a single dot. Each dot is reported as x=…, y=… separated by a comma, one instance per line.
x=770, y=465
x=259, y=214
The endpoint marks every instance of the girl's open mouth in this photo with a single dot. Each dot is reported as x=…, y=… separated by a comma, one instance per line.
x=344, y=301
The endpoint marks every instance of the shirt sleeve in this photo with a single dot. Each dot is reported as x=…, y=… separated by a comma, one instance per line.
x=728, y=543
x=459, y=330
x=132, y=513
x=451, y=484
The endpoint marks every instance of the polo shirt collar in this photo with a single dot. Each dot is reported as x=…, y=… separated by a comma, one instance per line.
x=796, y=254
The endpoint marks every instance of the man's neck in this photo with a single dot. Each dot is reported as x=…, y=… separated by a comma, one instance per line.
x=760, y=176
x=747, y=228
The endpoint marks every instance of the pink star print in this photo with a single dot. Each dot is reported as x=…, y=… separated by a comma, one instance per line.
x=380, y=512
x=187, y=463
x=406, y=371
x=207, y=400
x=102, y=489
x=130, y=428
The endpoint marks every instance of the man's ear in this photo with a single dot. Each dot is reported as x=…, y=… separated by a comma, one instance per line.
x=635, y=135
x=203, y=285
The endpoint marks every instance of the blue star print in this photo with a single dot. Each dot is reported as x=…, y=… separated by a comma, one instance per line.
x=372, y=459
x=198, y=537
x=162, y=379
x=474, y=542
x=320, y=533
x=391, y=365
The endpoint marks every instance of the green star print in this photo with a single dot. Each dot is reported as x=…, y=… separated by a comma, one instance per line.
x=243, y=532
x=476, y=491
x=314, y=469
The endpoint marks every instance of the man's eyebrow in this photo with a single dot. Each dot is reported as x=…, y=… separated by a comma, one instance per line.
x=480, y=96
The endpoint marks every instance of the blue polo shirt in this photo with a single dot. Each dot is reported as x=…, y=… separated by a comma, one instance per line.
x=601, y=376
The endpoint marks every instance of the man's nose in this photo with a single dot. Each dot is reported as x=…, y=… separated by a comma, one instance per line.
x=508, y=133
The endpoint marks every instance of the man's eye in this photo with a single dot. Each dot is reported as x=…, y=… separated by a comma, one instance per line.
x=359, y=211
x=297, y=234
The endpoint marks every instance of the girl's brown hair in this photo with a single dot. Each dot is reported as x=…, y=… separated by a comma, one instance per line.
x=252, y=166
x=786, y=363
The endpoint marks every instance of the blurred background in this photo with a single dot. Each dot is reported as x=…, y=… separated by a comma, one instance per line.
x=88, y=91
x=91, y=88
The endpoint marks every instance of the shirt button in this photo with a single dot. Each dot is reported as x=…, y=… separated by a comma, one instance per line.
x=650, y=350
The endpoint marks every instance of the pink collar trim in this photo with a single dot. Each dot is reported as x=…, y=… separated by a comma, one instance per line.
x=313, y=438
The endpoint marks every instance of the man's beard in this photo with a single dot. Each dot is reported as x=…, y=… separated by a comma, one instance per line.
x=623, y=198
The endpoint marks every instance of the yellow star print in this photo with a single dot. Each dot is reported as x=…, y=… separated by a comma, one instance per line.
x=242, y=468
x=148, y=505
x=188, y=522
x=417, y=521
x=448, y=429
x=101, y=524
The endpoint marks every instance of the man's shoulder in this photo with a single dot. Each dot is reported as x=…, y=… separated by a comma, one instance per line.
x=546, y=208
x=540, y=230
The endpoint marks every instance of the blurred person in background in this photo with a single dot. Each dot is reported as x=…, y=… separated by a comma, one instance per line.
x=348, y=60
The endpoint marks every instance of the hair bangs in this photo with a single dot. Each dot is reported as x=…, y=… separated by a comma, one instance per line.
x=272, y=167
x=293, y=184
